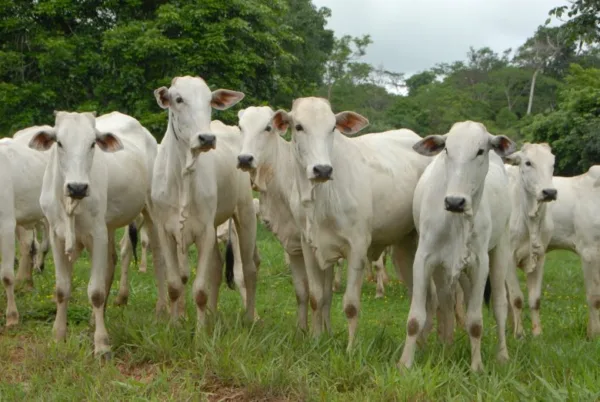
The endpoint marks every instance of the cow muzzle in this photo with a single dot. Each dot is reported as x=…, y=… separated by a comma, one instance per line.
x=455, y=204
x=245, y=162
x=322, y=173
x=549, y=194
x=77, y=191
x=205, y=143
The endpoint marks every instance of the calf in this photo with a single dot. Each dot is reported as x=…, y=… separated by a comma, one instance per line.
x=531, y=227
x=461, y=210
x=577, y=229
x=78, y=183
x=351, y=197
x=196, y=187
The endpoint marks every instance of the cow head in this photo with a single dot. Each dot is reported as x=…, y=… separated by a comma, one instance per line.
x=190, y=104
x=258, y=134
x=536, y=168
x=313, y=129
x=76, y=139
x=466, y=157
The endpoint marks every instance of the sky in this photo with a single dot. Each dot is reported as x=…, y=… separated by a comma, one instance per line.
x=410, y=36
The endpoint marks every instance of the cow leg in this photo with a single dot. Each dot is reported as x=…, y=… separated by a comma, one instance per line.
x=126, y=254
x=515, y=296
x=534, y=292
x=300, y=280
x=445, y=296
x=99, y=285
x=185, y=272
x=238, y=270
x=479, y=276
x=7, y=248
x=145, y=241
x=168, y=248
x=44, y=245
x=286, y=256
x=328, y=275
x=64, y=272
x=500, y=264
x=25, y=269
x=158, y=261
x=245, y=223
x=417, y=315
x=357, y=263
x=110, y=272
x=337, y=279
x=316, y=278
x=379, y=266
x=459, y=306
x=208, y=274
x=591, y=275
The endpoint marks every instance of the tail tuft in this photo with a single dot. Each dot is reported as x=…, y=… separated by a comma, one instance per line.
x=133, y=237
x=229, y=261
x=487, y=292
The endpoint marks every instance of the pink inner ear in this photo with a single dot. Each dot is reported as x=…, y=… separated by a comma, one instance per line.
x=108, y=143
x=280, y=122
x=164, y=97
x=351, y=122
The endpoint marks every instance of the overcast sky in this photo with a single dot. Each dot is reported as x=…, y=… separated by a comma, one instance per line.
x=413, y=35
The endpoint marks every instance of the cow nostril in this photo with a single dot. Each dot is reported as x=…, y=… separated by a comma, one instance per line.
x=323, y=171
x=245, y=159
x=455, y=204
x=549, y=193
x=206, y=138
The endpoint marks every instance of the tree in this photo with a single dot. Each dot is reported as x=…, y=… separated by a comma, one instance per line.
x=344, y=64
x=584, y=20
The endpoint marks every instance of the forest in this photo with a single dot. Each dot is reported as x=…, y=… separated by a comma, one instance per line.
x=107, y=55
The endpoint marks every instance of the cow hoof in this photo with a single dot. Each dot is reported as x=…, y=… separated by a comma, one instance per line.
x=502, y=357
x=477, y=367
x=12, y=320
x=379, y=295
x=104, y=355
x=143, y=269
x=121, y=300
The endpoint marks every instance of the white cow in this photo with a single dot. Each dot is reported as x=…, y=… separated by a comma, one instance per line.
x=531, y=227
x=461, y=210
x=78, y=183
x=21, y=183
x=351, y=197
x=577, y=228
x=195, y=191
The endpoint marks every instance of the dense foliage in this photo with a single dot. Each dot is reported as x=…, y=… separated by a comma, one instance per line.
x=110, y=55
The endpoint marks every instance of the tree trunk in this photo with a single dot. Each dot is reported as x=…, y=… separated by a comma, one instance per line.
x=507, y=93
x=532, y=90
x=329, y=91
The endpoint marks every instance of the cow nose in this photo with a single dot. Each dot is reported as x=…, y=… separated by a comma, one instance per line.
x=323, y=171
x=77, y=190
x=549, y=194
x=455, y=204
x=245, y=161
x=207, y=140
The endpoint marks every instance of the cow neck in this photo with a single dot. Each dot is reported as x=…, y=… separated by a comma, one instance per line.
x=172, y=124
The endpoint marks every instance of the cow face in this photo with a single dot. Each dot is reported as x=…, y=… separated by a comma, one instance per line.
x=466, y=158
x=258, y=135
x=76, y=139
x=313, y=131
x=190, y=104
x=536, y=168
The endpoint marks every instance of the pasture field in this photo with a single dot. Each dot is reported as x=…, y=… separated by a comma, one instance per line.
x=271, y=361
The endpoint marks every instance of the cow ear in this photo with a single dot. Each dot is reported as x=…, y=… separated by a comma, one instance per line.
x=430, y=145
x=503, y=145
x=350, y=123
x=162, y=97
x=281, y=121
x=108, y=142
x=43, y=140
x=223, y=99
x=513, y=159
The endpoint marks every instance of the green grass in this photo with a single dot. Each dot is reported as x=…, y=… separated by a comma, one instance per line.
x=272, y=361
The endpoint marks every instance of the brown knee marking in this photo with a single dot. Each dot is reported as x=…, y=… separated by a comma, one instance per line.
x=413, y=327
x=13, y=315
x=313, y=302
x=475, y=330
x=350, y=311
x=184, y=279
x=173, y=293
x=201, y=299
x=7, y=281
x=97, y=298
x=518, y=303
x=537, y=304
x=597, y=303
x=60, y=296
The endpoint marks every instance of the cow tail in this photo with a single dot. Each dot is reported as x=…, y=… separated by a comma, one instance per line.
x=229, y=260
x=132, y=231
x=487, y=292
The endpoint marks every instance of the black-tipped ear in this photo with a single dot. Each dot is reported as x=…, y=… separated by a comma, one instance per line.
x=430, y=145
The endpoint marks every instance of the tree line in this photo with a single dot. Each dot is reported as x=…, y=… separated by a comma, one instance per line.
x=107, y=55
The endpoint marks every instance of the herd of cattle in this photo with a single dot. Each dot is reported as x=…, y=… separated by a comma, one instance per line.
x=456, y=210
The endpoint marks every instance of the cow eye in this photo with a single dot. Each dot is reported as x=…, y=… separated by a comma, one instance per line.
x=268, y=128
x=299, y=127
x=93, y=145
x=59, y=144
x=179, y=99
x=333, y=129
x=480, y=152
x=527, y=163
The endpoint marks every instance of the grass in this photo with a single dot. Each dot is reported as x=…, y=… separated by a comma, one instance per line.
x=272, y=361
